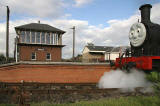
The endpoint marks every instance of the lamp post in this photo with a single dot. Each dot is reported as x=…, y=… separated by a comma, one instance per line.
x=7, y=34
x=73, y=42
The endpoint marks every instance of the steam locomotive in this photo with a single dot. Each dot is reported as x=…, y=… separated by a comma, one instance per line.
x=144, y=39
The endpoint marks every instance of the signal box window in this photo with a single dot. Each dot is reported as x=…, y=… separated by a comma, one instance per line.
x=48, y=56
x=28, y=36
x=51, y=38
x=22, y=36
x=42, y=37
x=33, y=56
x=38, y=37
x=48, y=38
x=33, y=37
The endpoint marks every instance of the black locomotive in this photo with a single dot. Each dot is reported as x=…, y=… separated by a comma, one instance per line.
x=151, y=44
x=144, y=39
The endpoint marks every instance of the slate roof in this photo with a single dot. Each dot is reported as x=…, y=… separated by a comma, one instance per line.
x=123, y=48
x=116, y=49
x=100, y=48
x=39, y=27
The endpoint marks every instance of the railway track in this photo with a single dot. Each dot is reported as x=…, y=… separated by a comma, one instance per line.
x=34, y=91
x=45, y=84
x=67, y=92
x=56, y=87
x=48, y=86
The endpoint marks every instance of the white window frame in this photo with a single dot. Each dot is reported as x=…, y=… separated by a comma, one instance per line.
x=35, y=56
x=46, y=56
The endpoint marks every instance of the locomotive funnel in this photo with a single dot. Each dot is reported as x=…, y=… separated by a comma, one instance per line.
x=145, y=12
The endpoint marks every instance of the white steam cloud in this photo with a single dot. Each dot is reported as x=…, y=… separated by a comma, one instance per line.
x=121, y=79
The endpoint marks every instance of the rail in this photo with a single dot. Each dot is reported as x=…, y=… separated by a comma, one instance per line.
x=26, y=92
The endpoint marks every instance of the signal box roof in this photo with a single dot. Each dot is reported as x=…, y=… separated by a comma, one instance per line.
x=39, y=27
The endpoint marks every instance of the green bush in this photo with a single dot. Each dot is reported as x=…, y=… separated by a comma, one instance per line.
x=2, y=57
x=154, y=77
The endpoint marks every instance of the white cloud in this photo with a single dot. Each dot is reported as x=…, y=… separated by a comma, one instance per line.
x=40, y=8
x=155, y=14
x=79, y=3
x=114, y=35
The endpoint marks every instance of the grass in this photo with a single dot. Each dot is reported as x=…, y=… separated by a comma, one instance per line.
x=122, y=101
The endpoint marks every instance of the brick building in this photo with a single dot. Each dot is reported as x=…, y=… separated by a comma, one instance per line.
x=38, y=42
x=93, y=53
x=116, y=52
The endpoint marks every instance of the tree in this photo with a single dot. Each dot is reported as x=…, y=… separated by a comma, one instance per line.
x=2, y=58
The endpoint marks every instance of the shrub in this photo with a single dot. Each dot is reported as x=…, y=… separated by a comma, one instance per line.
x=2, y=57
x=155, y=78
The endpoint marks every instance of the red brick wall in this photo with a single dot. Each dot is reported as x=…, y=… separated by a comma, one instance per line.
x=25, y=53
x=68, y=73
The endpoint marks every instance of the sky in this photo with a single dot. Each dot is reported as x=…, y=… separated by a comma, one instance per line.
x=101, y=22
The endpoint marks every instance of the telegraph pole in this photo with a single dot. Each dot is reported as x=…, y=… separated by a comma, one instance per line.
x=7, y=34
x=73, y=42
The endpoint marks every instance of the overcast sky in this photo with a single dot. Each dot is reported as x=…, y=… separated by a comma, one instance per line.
x=102, y=22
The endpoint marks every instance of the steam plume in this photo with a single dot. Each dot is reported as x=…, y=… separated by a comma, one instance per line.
x=121, y=79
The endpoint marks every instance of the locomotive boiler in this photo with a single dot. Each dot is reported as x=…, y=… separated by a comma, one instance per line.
x=144, y=39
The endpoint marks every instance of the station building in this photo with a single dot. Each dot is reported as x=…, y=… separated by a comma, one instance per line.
x=92, y=53
x=39, y=42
